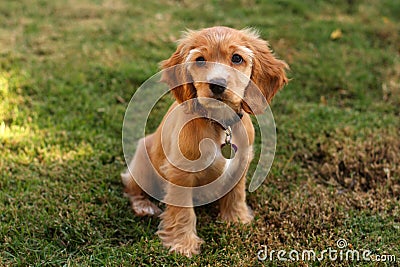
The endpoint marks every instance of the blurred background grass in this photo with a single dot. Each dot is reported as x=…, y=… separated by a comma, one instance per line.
x=68, y=69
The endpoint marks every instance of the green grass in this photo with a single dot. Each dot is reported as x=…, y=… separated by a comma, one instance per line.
x=69, y=68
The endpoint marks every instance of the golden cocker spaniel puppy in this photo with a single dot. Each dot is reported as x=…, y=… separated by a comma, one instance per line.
x=221, y=75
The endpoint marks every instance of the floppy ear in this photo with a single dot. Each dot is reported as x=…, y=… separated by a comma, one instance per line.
x=268, y=75
x=175, y=75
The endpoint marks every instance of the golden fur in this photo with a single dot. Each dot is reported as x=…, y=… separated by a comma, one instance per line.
x=177, y=229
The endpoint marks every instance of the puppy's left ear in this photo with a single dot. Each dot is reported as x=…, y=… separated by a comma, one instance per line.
x=268, y=75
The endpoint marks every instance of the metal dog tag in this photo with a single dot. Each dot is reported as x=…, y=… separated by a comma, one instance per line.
x=228, y=150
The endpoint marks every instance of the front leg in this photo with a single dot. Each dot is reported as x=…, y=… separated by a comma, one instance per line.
x=233, y=207
x=177, y=228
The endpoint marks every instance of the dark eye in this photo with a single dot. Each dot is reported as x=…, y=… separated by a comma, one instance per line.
x=200, y=61
x=236, y=59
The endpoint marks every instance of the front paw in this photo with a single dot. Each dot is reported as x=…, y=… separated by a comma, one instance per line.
x=187, y=245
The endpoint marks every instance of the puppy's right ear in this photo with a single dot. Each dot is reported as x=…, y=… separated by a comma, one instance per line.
x=268, y=74
x=174, y=74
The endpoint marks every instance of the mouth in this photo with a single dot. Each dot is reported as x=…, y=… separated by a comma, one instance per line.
x=221, y=110
x=216, y=103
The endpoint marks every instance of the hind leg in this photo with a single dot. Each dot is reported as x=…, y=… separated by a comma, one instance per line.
x=140, y=166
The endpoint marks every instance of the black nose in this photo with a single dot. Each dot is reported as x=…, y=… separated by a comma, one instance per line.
x=218, y=86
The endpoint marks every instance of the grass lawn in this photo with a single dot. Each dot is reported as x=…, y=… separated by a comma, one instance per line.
x=68, y=69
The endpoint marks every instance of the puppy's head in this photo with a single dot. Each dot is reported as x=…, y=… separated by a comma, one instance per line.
x=218, y=63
